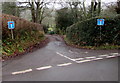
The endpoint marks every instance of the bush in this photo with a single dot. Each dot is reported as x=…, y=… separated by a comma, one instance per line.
x=22, y=41
x=45, y=28
x=19, y=24
x=64, y=19
x=87, y=33
x=26, y=34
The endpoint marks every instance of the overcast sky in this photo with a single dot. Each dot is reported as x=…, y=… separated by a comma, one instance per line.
x=87, y=2
x=106, y=1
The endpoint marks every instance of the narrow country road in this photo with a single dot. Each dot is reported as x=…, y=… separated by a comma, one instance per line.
x=59, y=62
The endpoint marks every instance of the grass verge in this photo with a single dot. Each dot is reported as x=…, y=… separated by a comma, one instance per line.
x=103, y=47
x=21, y=45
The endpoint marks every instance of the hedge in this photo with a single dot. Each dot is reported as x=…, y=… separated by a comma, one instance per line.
x=87, y=33
x=26, y=34
x=19, y=24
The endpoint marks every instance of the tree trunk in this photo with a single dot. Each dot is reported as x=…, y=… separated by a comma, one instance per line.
x=84, y=9
x=99, y=7
x=92, y=7
x=118, y=7
x=33, y=12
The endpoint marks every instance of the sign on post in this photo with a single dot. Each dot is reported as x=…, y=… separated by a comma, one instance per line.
x=100, y=22
x=11, y=25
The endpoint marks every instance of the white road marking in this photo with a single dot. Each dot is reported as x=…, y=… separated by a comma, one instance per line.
x=103, y=55
x=90, y=57
x=77, y=52
x=97, y=59
x=24, y=71
x=78, y=59
x=111, y=56
x=73, y=52
x=45, y=67
x=114, y=53
x=86, y=52
x=65, y=56
x=65, y=64
x=83, y=61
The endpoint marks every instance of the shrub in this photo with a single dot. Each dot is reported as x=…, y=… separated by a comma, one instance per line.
x=19, y=24
x=64, y=19
x=26, y=34
x=87, y=33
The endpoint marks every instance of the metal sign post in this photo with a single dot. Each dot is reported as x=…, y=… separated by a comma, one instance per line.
x=100, y=22
x=12, y=34
x=11, y=26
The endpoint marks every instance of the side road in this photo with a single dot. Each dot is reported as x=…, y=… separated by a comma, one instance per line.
x=59, y=62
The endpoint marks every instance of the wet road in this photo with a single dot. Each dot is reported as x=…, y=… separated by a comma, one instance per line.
x=58, y=62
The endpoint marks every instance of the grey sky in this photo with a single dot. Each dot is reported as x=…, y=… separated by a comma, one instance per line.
x=87, y=2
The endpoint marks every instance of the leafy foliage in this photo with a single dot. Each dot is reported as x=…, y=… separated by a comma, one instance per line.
x=87, y=33
x=63, y=19
x=26, y=34
x=23, y=40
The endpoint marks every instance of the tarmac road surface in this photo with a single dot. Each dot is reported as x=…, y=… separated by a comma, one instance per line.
x=59, y=62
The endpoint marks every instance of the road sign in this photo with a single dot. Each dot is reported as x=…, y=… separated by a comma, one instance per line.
x=11, y=24
x=100, y=21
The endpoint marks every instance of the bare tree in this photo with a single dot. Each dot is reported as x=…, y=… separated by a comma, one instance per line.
x=118, y=7
x=37, y=8
x=94, y=10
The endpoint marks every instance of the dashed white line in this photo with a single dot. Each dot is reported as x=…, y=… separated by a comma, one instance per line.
x=90, y=57
x=83, y=61
x=86, y=52
x=114, y=53
x=65, y=64
x=97, y=59
x=65, y=56
x=103, y=55
x=78, y=59
x=24, y=71
x=77, y=52
x=45, y=67
x=110, y=56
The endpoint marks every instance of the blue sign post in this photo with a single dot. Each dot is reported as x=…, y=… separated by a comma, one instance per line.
x=11, y=25
x=100, y=22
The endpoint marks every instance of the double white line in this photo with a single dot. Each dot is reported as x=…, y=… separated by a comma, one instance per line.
x=66, y=64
